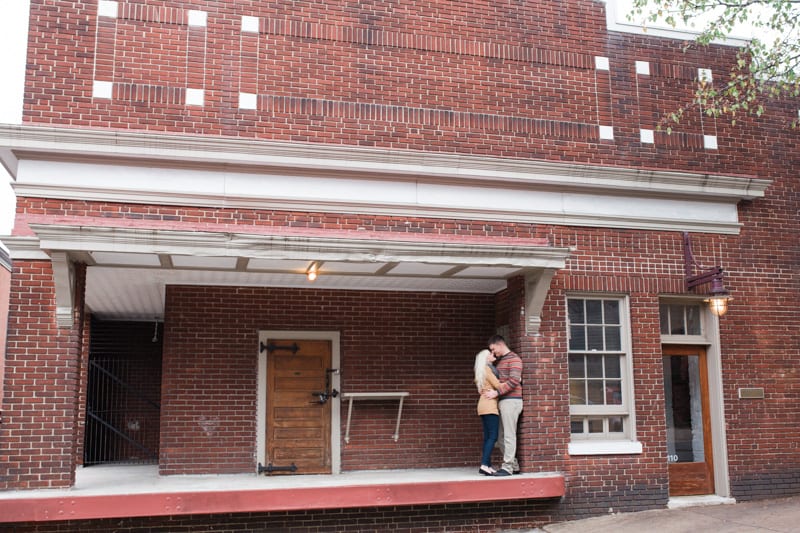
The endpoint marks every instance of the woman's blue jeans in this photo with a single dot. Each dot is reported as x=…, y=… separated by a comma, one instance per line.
x=491, y=426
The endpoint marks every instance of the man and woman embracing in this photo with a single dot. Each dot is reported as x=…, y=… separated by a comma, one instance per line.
x=498, y=377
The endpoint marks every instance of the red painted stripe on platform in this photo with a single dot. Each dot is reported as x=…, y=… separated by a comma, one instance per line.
x=42, y=509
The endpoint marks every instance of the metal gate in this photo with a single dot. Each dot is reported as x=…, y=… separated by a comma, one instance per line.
x=123, y=392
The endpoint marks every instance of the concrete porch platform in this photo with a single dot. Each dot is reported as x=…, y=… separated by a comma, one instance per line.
x=127, y=491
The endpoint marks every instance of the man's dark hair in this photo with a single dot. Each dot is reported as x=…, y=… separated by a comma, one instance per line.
x=496, y=338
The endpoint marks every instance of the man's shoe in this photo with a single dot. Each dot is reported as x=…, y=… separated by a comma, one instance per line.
x=517, y=472
x=502, y=473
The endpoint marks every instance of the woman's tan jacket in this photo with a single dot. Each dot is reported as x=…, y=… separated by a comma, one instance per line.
x=485, y=405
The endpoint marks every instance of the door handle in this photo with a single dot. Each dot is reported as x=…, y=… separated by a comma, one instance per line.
x=322, y=397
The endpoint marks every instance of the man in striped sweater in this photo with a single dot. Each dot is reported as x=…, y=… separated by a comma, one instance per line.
x=509, y=366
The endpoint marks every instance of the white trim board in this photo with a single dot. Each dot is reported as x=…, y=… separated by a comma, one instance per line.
x=404, y=197
x=223, y=172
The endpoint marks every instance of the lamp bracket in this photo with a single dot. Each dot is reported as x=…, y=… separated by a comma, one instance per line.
x=707, y=274
x=714, y=273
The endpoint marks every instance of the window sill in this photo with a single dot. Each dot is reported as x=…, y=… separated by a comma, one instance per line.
x=597, y=447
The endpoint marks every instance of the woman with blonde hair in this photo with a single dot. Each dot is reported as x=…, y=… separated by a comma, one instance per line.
x=486, y=379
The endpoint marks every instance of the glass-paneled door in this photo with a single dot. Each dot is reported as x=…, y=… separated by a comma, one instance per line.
x=689, y=451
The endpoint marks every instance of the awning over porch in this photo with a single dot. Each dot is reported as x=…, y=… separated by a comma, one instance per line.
x=128, y=491
x=130, y=266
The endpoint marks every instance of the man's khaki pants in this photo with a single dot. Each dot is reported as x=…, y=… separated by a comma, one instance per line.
x=507, y=441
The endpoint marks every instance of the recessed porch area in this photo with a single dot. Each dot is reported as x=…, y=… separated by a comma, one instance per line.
x=128, y=491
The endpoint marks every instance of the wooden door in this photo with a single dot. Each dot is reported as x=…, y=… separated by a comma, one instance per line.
x=298, y=418
x=689, y=450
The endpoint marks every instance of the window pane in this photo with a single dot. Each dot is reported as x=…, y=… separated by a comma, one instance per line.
x=615, y=424
x=613, y=392
x=577, y=338
x=594, y=337
x=663, y=311
x=683, y=409
x=613, y=340
x=611, y=309
x=594, y=366
x=577, y=392
x=575, y=309
x=612, y=366
x=594, y=312
x=595, y=392
x=676, y=320
x=576, y=366
x=596, y=355
x=693, y=320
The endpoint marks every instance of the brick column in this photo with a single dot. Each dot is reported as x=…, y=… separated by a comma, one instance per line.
x=544, y=425
x=37, y=444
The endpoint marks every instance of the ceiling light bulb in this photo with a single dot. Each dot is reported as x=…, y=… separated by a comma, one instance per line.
x=312, y=275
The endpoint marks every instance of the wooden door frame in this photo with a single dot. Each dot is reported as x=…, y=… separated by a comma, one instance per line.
x=710, y=340
x=261, y=407
x=705, y=392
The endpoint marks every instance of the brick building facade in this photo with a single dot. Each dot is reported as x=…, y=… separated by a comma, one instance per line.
x=449, y=170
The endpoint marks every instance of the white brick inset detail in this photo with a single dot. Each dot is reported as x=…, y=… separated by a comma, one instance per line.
x=107, y=8
x=248, y=101
x=646, y=136
x=197, y=18
x=102, y=89
x=250, y=24
x=607, y=132
x=710, y=142
x=195, y=96
x=704, y=74
x=601, y=63
x=643, y=68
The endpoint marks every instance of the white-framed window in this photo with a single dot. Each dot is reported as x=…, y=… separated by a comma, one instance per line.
x=684, y=321
x=680, y=318
x=600, y=374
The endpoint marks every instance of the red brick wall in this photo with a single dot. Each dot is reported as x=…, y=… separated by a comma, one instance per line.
x=423, y=343
x=468, y=518
x=349, y=67
x=5, y=290
x=511, y=80
x=40, y=401
x=759, y=334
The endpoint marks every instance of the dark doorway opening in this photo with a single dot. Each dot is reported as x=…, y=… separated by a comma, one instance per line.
x=123, y=393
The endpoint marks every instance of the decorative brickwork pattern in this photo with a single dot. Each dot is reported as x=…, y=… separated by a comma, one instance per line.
x=472, y=76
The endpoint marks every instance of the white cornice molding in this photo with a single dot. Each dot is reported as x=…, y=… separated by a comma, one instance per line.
x=26, y=247
x=496, y=211
x=39, y=142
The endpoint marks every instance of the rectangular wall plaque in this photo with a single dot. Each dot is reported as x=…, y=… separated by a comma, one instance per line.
x=751, y=393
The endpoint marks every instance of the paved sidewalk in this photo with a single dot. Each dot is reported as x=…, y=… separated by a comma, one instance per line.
x=776, y=515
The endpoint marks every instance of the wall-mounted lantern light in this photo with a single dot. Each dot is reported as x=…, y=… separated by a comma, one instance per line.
x=718, y=295
x=312, y=271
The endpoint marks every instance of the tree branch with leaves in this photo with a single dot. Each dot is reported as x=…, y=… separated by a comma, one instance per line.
x=767, y=67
